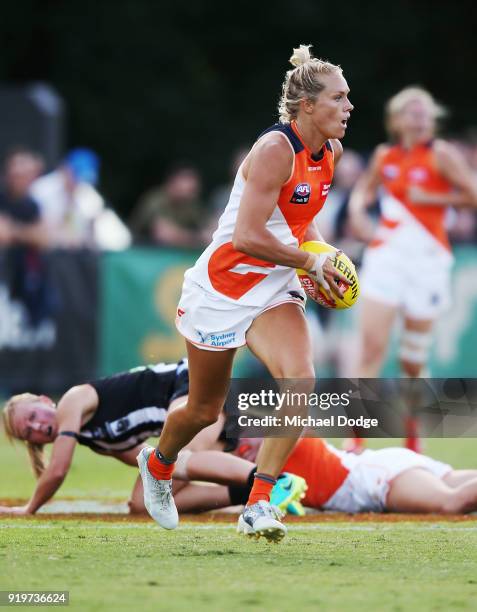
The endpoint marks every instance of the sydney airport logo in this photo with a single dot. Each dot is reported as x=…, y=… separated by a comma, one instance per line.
x=217, y=339
x=302, y=194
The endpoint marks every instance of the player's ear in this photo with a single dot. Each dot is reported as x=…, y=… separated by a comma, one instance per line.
x=307, y=105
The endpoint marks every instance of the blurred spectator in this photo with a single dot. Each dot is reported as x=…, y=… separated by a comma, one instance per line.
x=462, y=222
x=220, y=195
x=19, y=214
x=22, y=230
x=74, y=212
x=332, y=219
x=172, y=214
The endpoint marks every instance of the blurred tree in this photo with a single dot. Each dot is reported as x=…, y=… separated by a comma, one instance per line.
x=147, y=82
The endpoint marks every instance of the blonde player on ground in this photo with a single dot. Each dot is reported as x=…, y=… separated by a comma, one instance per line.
x=114, y=416
x=244, y=288
x=407, y=263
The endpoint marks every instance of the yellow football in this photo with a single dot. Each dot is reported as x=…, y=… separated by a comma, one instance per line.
x=342, y=263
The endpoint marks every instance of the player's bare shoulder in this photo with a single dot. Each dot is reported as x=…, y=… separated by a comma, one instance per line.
x=81, y=399
x=337, y=149
x=445, y=152
x=272, y=153
x=377, y=158
x=381, y=151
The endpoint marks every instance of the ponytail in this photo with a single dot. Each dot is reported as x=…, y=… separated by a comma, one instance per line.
x=35, y=451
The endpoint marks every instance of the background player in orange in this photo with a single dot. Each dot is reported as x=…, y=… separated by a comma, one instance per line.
x=406, y=266
x=244, y=288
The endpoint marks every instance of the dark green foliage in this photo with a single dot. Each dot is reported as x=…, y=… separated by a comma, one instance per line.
x=149, y=82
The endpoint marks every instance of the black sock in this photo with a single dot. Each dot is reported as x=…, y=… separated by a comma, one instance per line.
x=266, y=478
x=239, y=493
x=160, y=457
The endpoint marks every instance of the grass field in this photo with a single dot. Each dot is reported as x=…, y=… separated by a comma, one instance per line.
x=124, y=566
x=335, y=566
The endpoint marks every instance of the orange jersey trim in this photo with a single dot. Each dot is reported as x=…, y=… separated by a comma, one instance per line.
x=234, y=284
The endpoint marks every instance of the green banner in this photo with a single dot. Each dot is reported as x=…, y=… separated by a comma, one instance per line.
x=140, y=290
x=455, y=337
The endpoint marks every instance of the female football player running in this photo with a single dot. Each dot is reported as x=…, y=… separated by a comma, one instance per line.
x=244, y=288
x=407, y=264
x=114, y=416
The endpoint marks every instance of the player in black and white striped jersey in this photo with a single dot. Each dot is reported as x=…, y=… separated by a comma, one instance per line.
x=114, y=416
x=132, y=406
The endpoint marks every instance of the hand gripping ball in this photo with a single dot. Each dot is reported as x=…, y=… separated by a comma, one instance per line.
x=342, y=263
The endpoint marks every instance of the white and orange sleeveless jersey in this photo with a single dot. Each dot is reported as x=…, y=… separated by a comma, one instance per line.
x=409, y=226
x=241, y=279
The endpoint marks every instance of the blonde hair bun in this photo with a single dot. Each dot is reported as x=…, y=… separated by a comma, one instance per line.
x=304, y=81
x=301, y=56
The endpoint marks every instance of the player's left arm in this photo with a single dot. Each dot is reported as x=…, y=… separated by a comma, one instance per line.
x=453, y=167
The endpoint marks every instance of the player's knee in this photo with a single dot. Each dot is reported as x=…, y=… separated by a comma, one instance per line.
x=414, y=352
x=136, y=507
x=448, y=507
x=450, y=503
x=204, y=415
x=374, y=349
x=298, y=371
x=457, y=502
x=207, y=418
x=412, y=369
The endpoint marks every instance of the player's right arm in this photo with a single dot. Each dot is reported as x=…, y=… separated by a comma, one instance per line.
x=268, y=167
x=364, y=194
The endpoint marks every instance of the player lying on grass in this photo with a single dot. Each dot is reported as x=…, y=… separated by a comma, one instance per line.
x=390, y=479
x=386, y=480
x=114, y=416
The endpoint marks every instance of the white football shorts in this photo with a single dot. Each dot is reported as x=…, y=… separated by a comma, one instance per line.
x=216, y=324
x=419, y=286
x=366, y=487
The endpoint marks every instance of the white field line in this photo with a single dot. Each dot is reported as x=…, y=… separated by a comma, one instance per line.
x=231, y=527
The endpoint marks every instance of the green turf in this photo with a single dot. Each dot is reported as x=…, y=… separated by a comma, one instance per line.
x=90, y=476
x=93, y=476
x=329, y=567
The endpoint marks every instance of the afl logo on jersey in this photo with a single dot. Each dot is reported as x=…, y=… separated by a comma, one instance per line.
x=391, y=171
x=302, y=193
x=418, y=175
